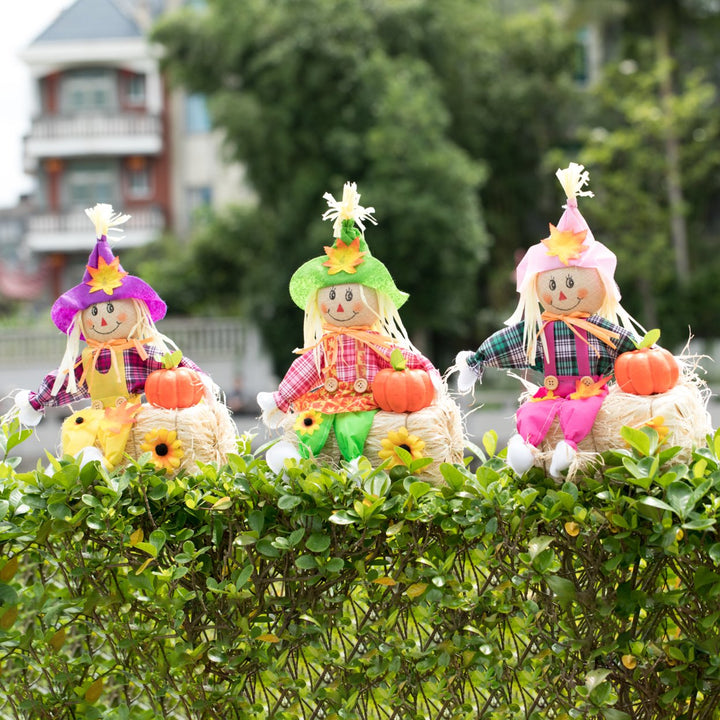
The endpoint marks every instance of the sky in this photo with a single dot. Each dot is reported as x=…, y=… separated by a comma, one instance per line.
x=21, y=24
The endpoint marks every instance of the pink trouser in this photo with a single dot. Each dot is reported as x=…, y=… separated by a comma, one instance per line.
x=576, y=417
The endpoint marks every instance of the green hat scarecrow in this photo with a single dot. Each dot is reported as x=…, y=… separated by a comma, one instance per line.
x=349, y=259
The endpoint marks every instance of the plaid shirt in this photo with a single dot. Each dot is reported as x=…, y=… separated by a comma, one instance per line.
x=505, y=349
x=303, y=376
x=136, y=372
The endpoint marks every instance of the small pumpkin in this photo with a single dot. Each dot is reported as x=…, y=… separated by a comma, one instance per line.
x=647, y=370
x=402, y=390
x=174, y=387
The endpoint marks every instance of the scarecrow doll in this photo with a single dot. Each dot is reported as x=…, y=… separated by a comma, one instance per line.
x=351, y=328
x=568, y=324
x=114, y=313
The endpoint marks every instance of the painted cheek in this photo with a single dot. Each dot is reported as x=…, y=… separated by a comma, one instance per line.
x=323, y=308
x=357, y=307
x=122, y=317
x=547, y=299
x=582, y=293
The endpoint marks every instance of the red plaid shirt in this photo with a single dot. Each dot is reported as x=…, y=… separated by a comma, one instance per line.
x=303, y=375
x=136, y=372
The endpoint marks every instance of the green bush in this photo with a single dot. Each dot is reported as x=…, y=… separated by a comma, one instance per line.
x=332, y=594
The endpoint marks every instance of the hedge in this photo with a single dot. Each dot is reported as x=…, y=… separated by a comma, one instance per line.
x=331, y=593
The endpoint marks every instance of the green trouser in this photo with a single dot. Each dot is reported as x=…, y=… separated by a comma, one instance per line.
x=351, y=431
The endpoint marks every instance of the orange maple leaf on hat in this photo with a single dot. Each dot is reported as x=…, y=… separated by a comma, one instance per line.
x=566, y=244
x=343, y=257
x=106, y=277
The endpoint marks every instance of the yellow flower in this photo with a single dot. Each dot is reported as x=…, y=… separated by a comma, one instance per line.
x=400, y=438
x=657, y=424
x=308, y=422
x=165, y=447
x=343, y=257
x=106, y=277
x=566, y=244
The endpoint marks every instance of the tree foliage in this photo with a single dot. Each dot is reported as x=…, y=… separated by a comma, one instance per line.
x=361, y=594
x=424, y=104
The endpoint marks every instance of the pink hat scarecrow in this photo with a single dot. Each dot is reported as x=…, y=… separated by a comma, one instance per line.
x=570, y=302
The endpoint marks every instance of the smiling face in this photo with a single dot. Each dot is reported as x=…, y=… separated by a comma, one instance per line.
x=348, y=305
x=109, y=320
x=570, y=289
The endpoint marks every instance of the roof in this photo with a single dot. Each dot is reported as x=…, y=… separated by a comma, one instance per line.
x=92, y=20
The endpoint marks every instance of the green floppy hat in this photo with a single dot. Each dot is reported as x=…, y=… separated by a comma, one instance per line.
x=348, y=260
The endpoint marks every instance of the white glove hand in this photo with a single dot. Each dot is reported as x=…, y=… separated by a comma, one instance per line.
x=26, y=413
x=271, y=415
x=466, y=375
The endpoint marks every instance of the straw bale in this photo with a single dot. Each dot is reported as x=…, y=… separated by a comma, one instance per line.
x=439, y=425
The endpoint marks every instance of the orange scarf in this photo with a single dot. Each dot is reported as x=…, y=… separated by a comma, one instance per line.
x=360, y=333
x=577, y=320
x=118, y=344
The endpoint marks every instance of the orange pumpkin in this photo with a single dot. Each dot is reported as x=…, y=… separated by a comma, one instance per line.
x=646, y=371
x=174, y=387
x=401, y=390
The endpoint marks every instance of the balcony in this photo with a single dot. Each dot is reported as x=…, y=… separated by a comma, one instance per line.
x=70, y=232
x=95, y=134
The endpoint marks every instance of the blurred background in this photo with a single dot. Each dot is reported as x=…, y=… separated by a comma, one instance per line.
x=219, y=125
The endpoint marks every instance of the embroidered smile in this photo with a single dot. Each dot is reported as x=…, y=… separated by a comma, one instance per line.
x=107, y=332
x=337, y=319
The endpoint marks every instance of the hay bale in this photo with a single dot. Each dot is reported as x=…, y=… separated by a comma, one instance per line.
x=683, y=409
x=207, y=434
x=439, y=425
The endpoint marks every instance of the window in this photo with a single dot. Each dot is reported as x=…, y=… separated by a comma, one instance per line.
x=197, y=117
x=88, y=91
x=135, y=90
x=139, y=183
x=90, y=182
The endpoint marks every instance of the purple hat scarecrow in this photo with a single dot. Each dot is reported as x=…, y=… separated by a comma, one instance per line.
x=104, y=278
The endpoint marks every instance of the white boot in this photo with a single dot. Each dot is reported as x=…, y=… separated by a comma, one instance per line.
x=520, y=455
x=279, y=453
x=563, y=455
x=90, y=453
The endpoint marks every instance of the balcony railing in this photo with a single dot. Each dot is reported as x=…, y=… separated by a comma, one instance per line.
x=67, y=232
x=65, y=136
x=57, y=127
x=144, y=219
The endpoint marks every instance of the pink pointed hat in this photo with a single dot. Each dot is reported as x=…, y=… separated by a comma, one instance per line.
x=104, y=279
x=571, y=243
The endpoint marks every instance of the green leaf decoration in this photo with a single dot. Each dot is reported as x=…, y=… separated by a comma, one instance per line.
x=172, y=360
x=397, y=360
x=650, y=338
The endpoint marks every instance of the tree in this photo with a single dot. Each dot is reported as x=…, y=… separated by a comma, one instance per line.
x=428, y=106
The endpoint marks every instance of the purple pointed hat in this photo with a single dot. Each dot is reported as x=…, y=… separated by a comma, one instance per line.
x=104, y=279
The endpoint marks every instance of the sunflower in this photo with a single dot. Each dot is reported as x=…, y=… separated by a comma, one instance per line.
x=308, y=422
x=401, y=439
x=165, y=447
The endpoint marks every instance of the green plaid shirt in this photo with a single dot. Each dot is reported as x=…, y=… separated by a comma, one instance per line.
x=505, y=349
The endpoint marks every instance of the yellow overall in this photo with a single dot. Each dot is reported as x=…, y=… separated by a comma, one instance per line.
x=107, y=422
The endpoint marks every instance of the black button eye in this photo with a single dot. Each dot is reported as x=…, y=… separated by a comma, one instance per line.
x=79, y=420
